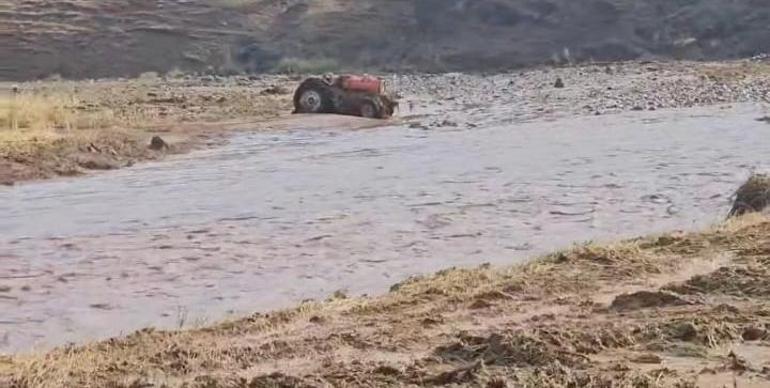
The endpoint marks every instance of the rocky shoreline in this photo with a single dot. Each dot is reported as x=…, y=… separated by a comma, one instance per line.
x=197, y=110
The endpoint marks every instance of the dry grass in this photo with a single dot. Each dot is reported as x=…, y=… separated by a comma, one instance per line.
x=36, y=112
x=52, y=122
x=36, y=120
x=46, y=127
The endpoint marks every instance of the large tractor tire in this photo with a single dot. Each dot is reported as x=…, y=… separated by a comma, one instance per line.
x=313, y=96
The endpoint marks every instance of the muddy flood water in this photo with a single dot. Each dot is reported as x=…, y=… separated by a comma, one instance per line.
x=275, y=218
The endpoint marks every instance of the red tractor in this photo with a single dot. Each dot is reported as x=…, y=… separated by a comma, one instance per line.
x=347, y=94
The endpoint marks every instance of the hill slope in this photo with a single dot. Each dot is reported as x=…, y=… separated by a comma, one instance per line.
x=90, y=38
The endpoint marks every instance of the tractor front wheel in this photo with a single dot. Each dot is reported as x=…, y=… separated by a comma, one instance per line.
x=313, y=96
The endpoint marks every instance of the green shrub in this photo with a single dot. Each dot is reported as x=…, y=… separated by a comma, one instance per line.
x=305, y=66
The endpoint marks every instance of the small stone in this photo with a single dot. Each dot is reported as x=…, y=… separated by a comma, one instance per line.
x=685, y=332
x=387, y=370
x=480, y=304
x=559, y=83
x=737, y=363
x=96, y=162
x=647, y=359
x=497, y=383
x=274, y=90
x=753, y=334
x=158, y=144
x=645, y=299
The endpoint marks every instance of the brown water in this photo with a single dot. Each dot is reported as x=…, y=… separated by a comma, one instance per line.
x=275, y=218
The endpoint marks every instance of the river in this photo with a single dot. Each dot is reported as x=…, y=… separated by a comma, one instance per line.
x=277, y=217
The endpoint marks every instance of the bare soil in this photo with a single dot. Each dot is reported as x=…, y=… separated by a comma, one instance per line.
x=676, y=310
x=186, y=112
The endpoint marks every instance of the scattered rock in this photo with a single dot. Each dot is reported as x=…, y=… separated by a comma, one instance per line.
x=275, y=90
x=431, y=321
x=645, y=299
x=497, y=383
x=480, y=304
x=752, y=196
x=753, y=334
x=737, y=363
x=93, y=161
x=648, y=358
x=277, y=380
x=684, y=331
x=158, y=144
x=387, y=370
x=765, y=119
x=559, y=83
x=339, y=295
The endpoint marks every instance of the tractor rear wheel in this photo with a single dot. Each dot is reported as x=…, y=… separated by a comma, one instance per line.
x=313, y=96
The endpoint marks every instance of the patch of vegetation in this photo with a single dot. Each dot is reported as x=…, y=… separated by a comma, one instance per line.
x=231, y=3
x=306, y=66
x=46, y=111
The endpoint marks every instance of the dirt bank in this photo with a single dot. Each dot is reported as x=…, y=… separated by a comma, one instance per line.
x=62, y=128
x=676, y=310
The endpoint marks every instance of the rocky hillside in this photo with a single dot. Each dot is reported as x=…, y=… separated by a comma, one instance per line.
x=100, y=38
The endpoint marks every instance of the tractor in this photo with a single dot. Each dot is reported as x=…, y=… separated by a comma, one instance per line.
x=353, y=95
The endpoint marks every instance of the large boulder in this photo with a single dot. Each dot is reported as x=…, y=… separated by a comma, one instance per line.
x=752, y=196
